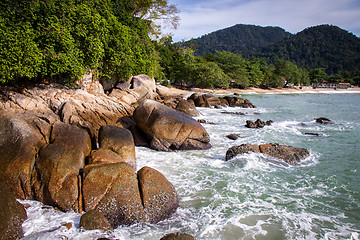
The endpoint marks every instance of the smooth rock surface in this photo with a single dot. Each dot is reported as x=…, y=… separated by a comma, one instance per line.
x=158, y=194
x=113, y=190
x=56, y=179
x=170, y=129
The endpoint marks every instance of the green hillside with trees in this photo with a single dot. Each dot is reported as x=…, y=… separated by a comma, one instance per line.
x=238, y=38
x=324, y=46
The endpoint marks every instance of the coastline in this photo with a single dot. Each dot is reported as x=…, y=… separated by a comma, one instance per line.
x=250, y=90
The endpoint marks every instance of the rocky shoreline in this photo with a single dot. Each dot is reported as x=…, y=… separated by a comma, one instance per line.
x=75, y=149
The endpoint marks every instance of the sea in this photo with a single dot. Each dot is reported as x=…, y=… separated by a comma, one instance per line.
x=252, y=196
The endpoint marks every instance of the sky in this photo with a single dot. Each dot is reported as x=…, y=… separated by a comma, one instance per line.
x=199, y=17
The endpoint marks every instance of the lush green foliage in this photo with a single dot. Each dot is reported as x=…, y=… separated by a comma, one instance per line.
x=61, y=39
x=223, y=69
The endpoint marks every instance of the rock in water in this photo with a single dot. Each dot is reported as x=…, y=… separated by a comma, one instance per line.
x=170, y=129
x=178, y=236
x=243, y=148
x=323, y=120
x=12, y=215
x=289, y=154
x=158, y=195
x=116, y=194
x=93, y=220
x=56, y=173
x=257, y=124
x=233, y=136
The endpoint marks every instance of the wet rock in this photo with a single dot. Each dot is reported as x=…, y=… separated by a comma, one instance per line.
x=93, y=220
x=178, y=236
x=205, y=100
x=243, y=148
x=223, y=102
x=170, y=129
x=239, y=102
x=312, y=134
x=120, y=141
x=22, y=135
x=257, y=124
x=233, y=113
x=187, y=107
x=12, y=214
x=288, y=154
x=116, y=195
x=158, y=194
x=205, y=122
x=56, y=179
x=323, y=120
x=211, y=101
x=233, y=136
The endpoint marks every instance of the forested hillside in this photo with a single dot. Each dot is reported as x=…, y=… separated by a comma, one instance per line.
x=238, y=38
x=324, y=46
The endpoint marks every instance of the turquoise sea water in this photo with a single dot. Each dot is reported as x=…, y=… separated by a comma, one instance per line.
x=252, y=196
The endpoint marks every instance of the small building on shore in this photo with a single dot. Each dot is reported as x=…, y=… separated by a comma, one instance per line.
x=326, y=84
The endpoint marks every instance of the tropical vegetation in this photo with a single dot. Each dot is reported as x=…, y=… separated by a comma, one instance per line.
x=60, y=40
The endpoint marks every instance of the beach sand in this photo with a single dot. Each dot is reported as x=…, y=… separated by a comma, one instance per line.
x=178, y=91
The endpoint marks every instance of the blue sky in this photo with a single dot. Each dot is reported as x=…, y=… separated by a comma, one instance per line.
x=199, y=17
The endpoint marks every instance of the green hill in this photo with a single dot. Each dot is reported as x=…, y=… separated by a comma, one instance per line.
x=237, y=38
x=323, y=46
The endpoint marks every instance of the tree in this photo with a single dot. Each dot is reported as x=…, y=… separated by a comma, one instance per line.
x=317, y=75
x=155, y=13
x=59, y=40
x=233, y=65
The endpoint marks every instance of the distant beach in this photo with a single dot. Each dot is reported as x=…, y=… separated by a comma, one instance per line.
x=178, y=91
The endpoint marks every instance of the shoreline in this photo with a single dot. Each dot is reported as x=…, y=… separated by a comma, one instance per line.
x=253, y=90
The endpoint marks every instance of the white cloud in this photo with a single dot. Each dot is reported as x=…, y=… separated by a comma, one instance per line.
x=202, y=17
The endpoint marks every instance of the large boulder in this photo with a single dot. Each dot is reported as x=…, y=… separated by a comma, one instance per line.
x=12, y=215
x=21, y=137
x=142, y=87
x=119, y=141
x=170, y=129
x=158, y=195
x=113, y=190
x=56, y=176
x=288, y=154
x=187, y=107
x=91, y=113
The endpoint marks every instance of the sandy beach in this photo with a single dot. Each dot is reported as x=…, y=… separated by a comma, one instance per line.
x=178, y=91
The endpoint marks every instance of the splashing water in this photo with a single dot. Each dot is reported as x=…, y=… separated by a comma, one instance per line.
x=251, y=196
